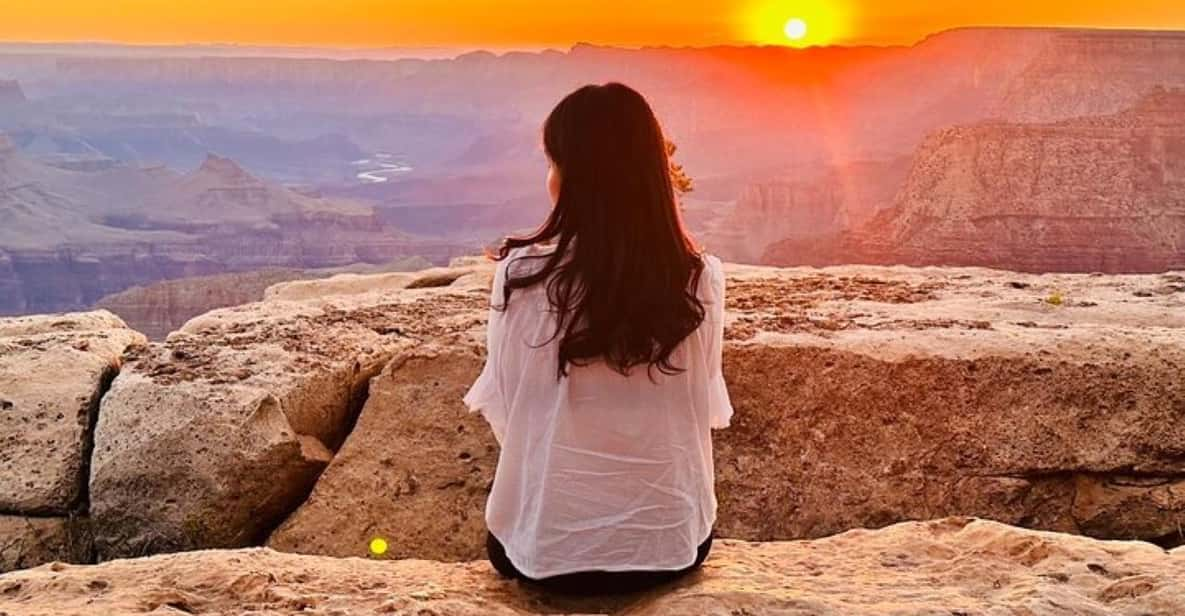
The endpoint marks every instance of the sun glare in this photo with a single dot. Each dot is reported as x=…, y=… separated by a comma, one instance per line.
x=798, y=23
x=795, y=29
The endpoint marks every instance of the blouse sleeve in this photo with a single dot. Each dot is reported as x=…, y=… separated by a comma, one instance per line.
x=719, y=404
x=485, y=396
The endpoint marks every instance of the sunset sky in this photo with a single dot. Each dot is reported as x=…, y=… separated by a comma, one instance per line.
x=538, y=23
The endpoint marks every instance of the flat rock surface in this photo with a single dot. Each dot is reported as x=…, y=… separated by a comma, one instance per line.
x=951, y=566
x=53, y=369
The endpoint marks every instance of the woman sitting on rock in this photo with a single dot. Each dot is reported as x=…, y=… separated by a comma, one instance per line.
x=603, y=379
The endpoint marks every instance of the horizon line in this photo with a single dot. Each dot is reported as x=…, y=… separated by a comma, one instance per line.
x=460, y=50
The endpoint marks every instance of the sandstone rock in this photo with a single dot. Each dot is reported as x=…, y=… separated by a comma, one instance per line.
x=211, y=438
x=870, y=396
x=1092, y=72
x=53, y=370
x=416, y=470
x=359, y=284
x=342, y=284
x=29, y=541
x=952, y=566
x=864, y=397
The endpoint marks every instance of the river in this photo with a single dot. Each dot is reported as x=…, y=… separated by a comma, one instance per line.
x=381, y=167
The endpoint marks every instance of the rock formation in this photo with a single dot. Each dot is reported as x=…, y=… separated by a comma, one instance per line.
x=162, y=307
x=410, y=473
x=1100, y=194
x=53, y=370
x=258, y=398
x=865, y=396
x=1091, y=73
x=952, y=566
x=809, y=206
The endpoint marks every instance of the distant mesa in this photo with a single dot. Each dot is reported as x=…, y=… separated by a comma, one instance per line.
x=226, y=169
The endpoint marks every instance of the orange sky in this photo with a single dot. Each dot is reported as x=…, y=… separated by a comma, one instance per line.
x=537, y=23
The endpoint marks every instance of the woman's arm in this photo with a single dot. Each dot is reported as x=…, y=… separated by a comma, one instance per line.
x=720, y=406
x=485, y=396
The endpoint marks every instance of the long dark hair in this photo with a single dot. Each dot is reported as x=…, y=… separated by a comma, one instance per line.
x=623, y=273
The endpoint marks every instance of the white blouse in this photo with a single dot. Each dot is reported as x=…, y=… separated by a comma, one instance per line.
x=599, y=471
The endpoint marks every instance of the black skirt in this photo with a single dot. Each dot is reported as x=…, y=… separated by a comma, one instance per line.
x=593, y=582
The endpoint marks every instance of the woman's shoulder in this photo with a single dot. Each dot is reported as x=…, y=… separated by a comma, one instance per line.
x=520, y=259
x=713, y=266
x=712, y=263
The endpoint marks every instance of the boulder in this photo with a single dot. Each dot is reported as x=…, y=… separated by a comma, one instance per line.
x=416, y=470
x=864, y=397
x=211, y=438
x=53, y=370
x=951, y=566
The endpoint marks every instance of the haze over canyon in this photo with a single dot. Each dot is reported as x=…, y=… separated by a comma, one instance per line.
x=1025, y=149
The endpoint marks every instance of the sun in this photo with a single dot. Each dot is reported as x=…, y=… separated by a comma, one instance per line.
x=796, y=23
x=795, y=29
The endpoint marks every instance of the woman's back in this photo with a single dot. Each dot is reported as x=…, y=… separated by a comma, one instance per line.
x=600, y=471
x=603, y=378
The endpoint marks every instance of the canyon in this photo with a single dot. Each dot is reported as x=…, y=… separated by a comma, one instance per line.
x=68, y=238
x=789, y=146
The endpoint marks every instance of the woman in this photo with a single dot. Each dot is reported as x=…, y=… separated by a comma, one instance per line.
x=603, y=380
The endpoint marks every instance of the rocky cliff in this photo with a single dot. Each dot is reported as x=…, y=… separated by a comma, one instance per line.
x=1090, y=73
x=807, y=206
x=1100, y=194
x=953, y=566
x=330, y=413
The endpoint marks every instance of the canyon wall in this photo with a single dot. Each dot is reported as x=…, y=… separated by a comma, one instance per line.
x=807, y=206
x=157, y=309
x=1090, y=73
x=330, y=412
x=1103, y=194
